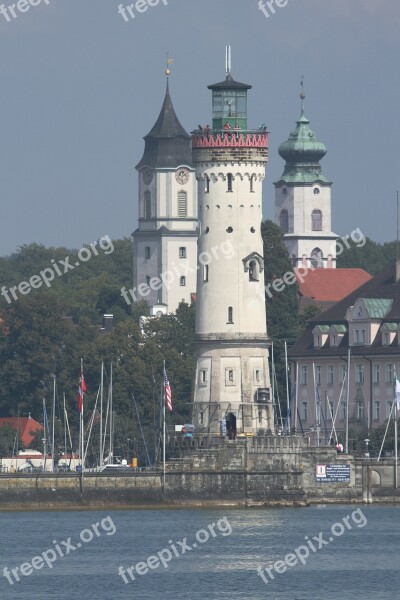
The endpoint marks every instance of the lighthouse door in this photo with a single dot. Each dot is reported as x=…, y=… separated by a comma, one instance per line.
x=231, y=426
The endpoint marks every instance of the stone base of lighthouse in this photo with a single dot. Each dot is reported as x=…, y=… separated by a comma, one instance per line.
x=232, y=386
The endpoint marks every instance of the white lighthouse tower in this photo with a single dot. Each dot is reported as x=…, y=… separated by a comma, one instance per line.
x=232, y=383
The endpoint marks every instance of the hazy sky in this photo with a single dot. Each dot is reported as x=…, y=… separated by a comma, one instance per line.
x=80, y=87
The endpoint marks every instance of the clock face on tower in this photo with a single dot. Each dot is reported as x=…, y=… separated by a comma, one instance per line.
x=147, y=175
x=182, y=176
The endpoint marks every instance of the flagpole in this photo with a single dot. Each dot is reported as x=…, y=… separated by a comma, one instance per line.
x=164, y=435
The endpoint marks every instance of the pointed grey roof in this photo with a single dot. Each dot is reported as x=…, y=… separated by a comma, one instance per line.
x=167, y=144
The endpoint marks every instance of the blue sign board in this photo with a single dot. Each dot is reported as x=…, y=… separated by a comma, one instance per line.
x=333, y=473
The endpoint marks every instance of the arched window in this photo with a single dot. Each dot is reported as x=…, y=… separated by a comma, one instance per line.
x=147, y=205
x=230, y=182
x=254, y=271
x=316, y=258
x=316, y=220
x=182, y=205
x=284, y=221
x=230, y=315
x=317, y=191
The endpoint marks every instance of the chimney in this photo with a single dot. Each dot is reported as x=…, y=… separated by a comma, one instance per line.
x=108, y=323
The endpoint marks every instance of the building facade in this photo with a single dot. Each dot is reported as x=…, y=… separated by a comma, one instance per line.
x=359, y=335
x=165, y=242
x=303, y=199
x=232, y=381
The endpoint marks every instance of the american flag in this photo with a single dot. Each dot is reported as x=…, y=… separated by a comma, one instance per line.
x=168, y=393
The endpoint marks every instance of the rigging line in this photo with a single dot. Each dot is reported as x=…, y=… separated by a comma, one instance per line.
x=141, y=431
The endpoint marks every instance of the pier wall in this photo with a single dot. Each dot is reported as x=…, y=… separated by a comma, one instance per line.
x=252, y=472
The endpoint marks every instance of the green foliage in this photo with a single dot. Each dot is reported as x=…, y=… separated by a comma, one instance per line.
x=8, y=441
x=372, y=256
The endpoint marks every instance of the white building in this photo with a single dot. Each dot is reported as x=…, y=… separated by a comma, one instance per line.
x=165, y=243
x=303, y=199
x=232, y=379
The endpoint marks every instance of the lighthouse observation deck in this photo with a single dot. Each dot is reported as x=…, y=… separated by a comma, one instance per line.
x=230, y=145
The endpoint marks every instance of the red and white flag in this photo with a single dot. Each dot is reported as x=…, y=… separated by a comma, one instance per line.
x=168, y=393
x=81, y=392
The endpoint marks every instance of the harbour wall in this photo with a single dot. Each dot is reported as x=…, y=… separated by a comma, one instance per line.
x=253, y=472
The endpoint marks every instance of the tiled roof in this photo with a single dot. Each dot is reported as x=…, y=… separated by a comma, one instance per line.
x=324, y=285
x=377, y=308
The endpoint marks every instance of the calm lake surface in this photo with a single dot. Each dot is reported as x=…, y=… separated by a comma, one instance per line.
x=361, y=562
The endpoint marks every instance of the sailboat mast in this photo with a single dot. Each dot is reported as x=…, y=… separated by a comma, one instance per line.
x=111, y=416
x=101, y=414
x=347, y=403
x=53, y=421
x=164, y=401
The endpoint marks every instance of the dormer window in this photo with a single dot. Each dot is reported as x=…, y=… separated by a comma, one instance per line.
x=321, y=333
x=389, y=331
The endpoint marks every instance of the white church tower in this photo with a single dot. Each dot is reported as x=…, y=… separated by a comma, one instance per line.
x=232, y=382
x=165, y=243
x=303, y=199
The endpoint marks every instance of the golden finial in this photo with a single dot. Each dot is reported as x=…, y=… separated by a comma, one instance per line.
x=169, y=62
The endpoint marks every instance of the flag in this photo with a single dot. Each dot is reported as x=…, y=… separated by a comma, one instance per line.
x=81, y=392
x=168, y=393
x=397, y=394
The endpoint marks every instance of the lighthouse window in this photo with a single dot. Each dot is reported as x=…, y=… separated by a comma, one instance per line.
x=253, y=271
x=230, y=315
x=182, y=205
x=182, y=281
x=284, y=221
x=316, y=220
x=230, y=182
x=203, y=377
x=207, y=186
x=147, y=205
x=229, y=376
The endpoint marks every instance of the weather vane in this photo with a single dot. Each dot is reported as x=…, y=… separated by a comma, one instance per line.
x=302, y=94
x=169, y=62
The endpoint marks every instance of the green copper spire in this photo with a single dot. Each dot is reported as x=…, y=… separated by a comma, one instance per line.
x=302, y=152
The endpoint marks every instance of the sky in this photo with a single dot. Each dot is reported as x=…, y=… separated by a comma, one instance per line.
x=80, y=87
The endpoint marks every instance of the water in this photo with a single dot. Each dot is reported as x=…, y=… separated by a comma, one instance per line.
x=362, y=561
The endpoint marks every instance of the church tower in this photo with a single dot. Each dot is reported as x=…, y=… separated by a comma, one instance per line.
x=303, y=199
x=165, y=243
x=232, y=380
